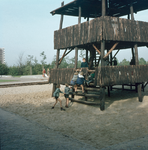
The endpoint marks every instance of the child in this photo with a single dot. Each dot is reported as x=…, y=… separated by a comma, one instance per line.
x=66, y=94
x=74, y=79
x=56, y=95
x=80, y=81
x=90, y=78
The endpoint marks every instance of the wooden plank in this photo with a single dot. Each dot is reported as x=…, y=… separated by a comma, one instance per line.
x=82, y=33
x=86, y=25
x=55, y=40
x=84, y=102
x=79, y=35
x=99, y=31
x=72, y=36
x=90, y=31
x=75, y=35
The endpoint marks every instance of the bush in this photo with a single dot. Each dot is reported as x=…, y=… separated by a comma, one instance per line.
x=3, y=69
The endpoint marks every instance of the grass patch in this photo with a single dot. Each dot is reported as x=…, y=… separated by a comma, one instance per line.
x=8, y=80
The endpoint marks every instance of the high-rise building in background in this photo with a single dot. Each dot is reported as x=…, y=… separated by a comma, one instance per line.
x=2, y=55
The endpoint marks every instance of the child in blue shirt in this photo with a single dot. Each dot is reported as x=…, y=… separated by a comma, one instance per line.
x=66, y=94
x=56, y=95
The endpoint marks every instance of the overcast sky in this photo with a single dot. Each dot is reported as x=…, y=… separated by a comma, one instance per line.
x=28, y=27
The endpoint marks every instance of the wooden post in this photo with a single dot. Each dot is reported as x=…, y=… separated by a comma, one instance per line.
x=60, y=27
x=76, y=57
x=102, y=101
x=76, y=49
x=111, y=57
x=87, y=55
x=132, y=12
x=57, y=58
x=79, y=20
x=136, y=58
x=58, y=51
x=103, y=7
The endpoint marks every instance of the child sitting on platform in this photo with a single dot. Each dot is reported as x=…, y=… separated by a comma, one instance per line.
x=80, y=81
x=56, y=95
x=66, y=94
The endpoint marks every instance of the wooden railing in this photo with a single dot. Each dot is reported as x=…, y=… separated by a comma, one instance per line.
x=117, y=75
x=108, y=28
x=105, y=76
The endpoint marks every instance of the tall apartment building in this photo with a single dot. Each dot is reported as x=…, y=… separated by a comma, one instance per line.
x=2, y=55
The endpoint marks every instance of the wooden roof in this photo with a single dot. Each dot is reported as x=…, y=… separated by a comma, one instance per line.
x=93, y=8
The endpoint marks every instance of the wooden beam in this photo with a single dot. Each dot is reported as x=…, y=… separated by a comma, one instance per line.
x=103, y=7
x=114, y=46
x=87, y=55
x=132, y=12
x=62, y=16
x=62, y=57
x=96, y=49
x=116, y=53
x=76, y=57
x=133, y=55
x=79, y=20
x=57, y=58
x=68, y=52
x=58, y=50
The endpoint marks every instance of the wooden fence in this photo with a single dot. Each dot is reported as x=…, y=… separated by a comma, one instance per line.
x=105, y=76
x=118, y=75
x=108, y=28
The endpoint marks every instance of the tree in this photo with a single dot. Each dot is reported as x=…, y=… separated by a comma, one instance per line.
x=82, y=54
x=124, y=62
x=30, y=63
x=43, y=62
x=3, y=69
x=142, y=61
x=20, y=63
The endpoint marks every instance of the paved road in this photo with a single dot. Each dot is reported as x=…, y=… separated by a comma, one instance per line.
x=23, y=79
x=17, y=133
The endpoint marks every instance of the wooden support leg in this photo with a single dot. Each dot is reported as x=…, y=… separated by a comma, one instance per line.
x=122, y=87
x=108, y=88
x=102, y=101
x=143, y=87
x=72, y=96
x=136, y=87
x=54, y=88
x=86, y=96
x=139, y=93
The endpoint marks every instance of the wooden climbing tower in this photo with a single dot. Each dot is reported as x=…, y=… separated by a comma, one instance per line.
x=103, y=32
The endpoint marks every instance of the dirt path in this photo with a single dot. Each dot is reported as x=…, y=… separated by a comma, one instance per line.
x=124, y=119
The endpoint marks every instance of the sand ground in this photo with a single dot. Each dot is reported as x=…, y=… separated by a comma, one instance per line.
x=123, y=120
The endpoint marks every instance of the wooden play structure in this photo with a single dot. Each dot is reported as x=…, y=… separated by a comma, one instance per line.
x=103, y=32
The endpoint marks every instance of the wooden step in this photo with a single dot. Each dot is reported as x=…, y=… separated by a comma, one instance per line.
x=85, y=94
x=84, y=102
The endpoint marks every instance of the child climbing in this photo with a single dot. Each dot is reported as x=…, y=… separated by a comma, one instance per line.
x=80, y=82
x=74, y=79
x=56, y=95
x=90, y=78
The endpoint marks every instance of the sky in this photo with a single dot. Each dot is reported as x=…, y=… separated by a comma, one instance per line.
x=27, y=28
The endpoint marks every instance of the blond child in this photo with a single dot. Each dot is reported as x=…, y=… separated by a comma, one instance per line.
x=56, y=95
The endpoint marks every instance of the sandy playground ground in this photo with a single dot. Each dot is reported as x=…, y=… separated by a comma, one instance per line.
x=123, y=120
